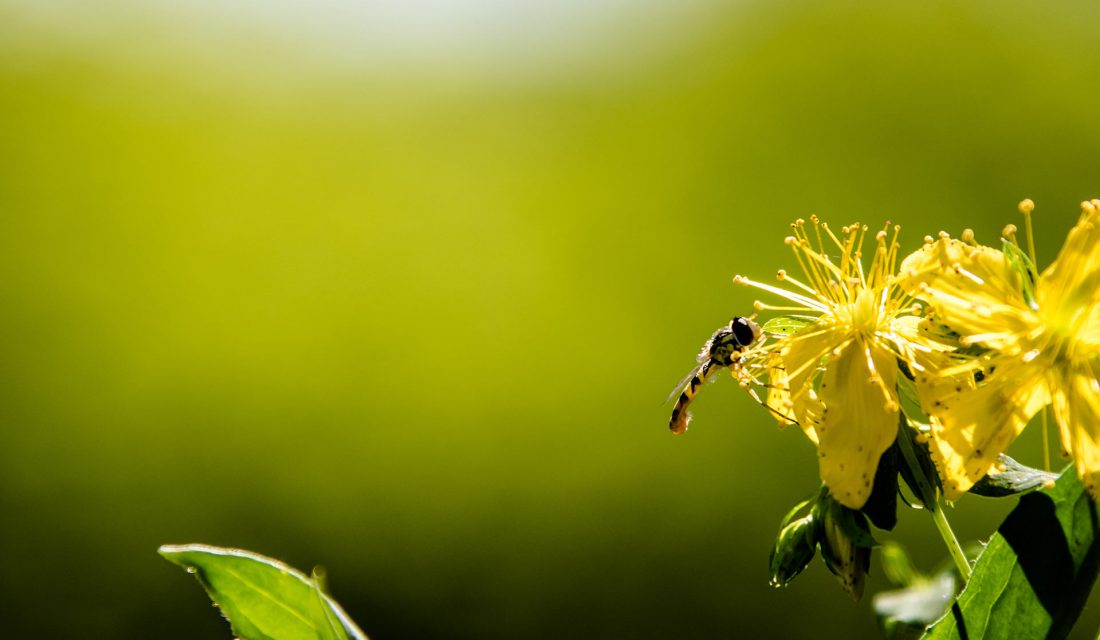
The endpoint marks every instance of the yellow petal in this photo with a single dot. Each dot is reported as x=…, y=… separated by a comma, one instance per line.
x=922, y=344
x=1069, y=289
x=857, y=425
x=810, y=410
x=971, y=289
x=779, y=400
x=973, y=423
x=1077, y=410
x=1088, y=333
x=1076, y=271
x=798, y=362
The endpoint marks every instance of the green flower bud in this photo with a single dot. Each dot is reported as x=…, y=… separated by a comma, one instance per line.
x=795, y=547
x=845, y=545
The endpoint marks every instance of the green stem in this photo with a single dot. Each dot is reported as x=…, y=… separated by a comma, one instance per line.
x=1046, y=442
x=930, y=497
x=949, y=539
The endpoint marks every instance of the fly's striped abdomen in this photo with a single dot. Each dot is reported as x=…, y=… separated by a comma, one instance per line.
x=680, y=416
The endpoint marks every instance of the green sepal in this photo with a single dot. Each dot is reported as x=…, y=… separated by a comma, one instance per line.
x=920, y=476
x=808, y=502
x=853, y=523
x=882, y=505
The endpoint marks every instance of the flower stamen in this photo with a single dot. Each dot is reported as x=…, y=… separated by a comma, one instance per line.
x=1026, y=207
x=790, y=295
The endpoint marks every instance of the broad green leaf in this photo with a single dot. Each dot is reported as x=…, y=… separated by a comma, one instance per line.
x=1035, y=575
x=264, y=598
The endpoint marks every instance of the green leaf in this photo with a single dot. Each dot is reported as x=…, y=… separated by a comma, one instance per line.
x=264, y=598
x=1015, y=479
x=1033, y=578
x=786, y=325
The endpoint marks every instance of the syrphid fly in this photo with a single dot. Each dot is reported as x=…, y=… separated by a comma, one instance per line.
x=724, y=349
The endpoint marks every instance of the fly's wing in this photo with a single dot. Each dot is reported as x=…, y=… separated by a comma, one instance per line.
x=679, y=388
x=703, y=359
x=678, y=422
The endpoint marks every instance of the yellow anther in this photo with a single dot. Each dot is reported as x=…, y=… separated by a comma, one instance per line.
x=1026, y=206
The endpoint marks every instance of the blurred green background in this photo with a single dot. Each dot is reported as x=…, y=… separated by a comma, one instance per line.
x=399, y=289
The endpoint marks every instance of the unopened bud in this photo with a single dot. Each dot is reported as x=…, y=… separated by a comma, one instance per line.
x=795, y=547
x=846, y=545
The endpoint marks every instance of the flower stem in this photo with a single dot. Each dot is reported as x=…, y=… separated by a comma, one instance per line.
x=1046, y=442
x=951, y=542
x=930, y=497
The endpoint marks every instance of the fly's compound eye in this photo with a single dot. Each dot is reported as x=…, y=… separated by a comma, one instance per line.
x=745, y=331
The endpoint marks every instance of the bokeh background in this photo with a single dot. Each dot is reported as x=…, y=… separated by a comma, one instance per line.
x=398, y=288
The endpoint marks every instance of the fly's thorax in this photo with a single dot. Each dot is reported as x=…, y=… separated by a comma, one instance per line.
x=724, y=347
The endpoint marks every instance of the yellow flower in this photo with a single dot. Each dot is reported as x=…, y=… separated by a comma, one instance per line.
x=836, y=377
x=1036, y=343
